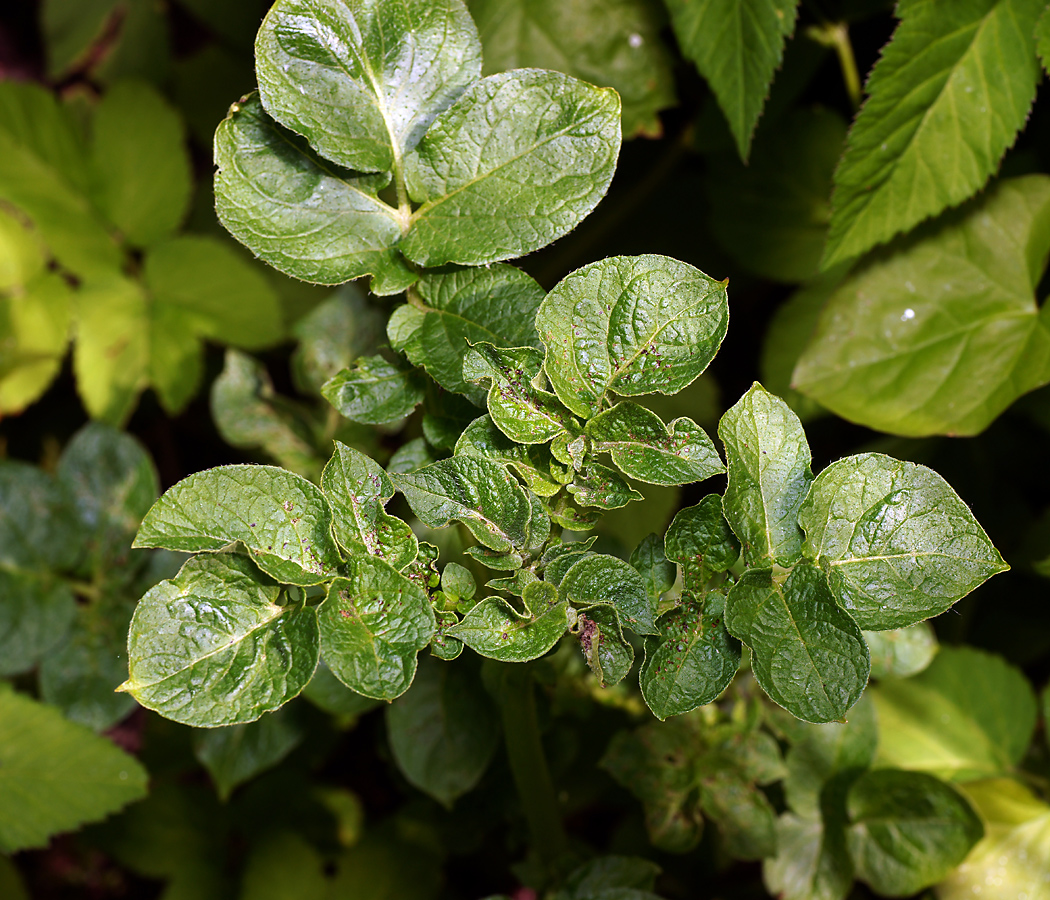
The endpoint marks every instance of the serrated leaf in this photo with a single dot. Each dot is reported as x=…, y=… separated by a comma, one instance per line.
x=737, y=46
x=357, y=489
x=531, y=462
x=601, y=487
x=694, y=659
x=658, y=574
x=36, y=611
x=305, y=217
x=768, y=461
x=896, y=542
x=630, y=325
x=908, y=830
x=212, y=646
x=517, y=403
x=941, y=332
x=56, y=775
x=968, y=715
x=375, y=391
x=460, y=307
x=493, y=628
x=644, y=448
x=952, y=85
x=807, y=653
x=373, y=624
x=700, y=540
x=528, y=145
x=600, y=580
x=478, y=492
x=443, y=732
x=901, y=652
x=363, y=80
x=608, y=655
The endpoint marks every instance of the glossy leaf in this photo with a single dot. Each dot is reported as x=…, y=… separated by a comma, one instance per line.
x=599, y=580
x=896, y=542
x=357, y=489
x=737, y=46
x=608, y=655
x=941, y=333
x=443, y=732
x=283, y=520
x=908, y=830
x=601, y=487
x=769, y=474
x=644, y=448
x=56, y=775
x=532, y=462
x=362, y=81
x=701, y=542
x=517, y=162
x=305, y=217
x=630, y=325
x=955, y=86
x=807, y=653
x=478, y=492
x=460, y=307
x=213, y=647
x=373, y=624
x=493, y=628
x=375, y=391
x=901, y=652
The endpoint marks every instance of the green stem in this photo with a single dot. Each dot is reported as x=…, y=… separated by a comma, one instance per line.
x=836, y=36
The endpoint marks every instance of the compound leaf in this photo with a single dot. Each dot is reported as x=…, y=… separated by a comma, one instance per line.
x=600, y=580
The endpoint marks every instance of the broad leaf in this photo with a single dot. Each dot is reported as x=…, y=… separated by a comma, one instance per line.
x=737, y=45
x=375, y=391
x=939, y=334
x=601, y=487
x=631, y=325
x=658, y=573
x=769, y=474
x=901, y=652
x=585, y=39
x=525, y=146
x=806, y=652
x=701, y=542
x=896, y=542
x=812, y=862
x=280, y=865
x=953, y=85
x=968, y=715
x=608, y=655
x=599, y=580
x=212, y=646
x=458, y=307
x=39, y=528
x=304, y=216
x=643, y=447
x=363, y=80
x=532, y=463
x=373, y=624
x=495, y=629
x=473, y=490
x=908, y=830
x=283, y=520
x=55, y=775
x=328, y=693
x=1042, y=40
x=357, y=489
x=443, y=732
x=36, y=611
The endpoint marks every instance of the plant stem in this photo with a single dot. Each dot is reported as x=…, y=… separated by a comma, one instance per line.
x=836, y=35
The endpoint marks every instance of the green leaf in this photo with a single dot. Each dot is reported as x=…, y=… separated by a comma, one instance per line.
x=812, y=862
x=807, y=653
x=373, y=624
x=140, y=162
x=600, y=580
x=693, y=661
x=601, y=487
x=517, y=403
x=478, y=492
x=1042, y=39
x=375, y=391
x=302, y=215
x=746, y=820
x=611, y=872
x=39, y=528
x=941, y=332
x=283, y=865
x=532, y=462
x=495, y=629
x=36, y=611
x=585, y=39
x=953, y=85
x=908, y=830
x=284, y=521
x=56, y=775
x=460, y=307
x=235, y=754
x=328, y=693
x=643, y=447
x=70, y=28
x=362, y=81
x=658, y=574
x=701, y=542
x=631, y=325
x=527, y=145
x=737, y=46
x=896, y=542
x=357, y=489
x=902, y=652
x=769, y=474
x=968, y=715
x=608, y=655
x=444, y=731
x=213, y=647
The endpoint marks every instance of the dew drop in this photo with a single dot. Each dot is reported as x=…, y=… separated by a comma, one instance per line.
x=907, y=315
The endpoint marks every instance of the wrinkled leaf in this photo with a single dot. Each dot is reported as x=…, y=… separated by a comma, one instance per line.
x=601, y=487
x=375, y=391
x=608, y=655
x=493, y=628
x=700, y=541
x=658, y=574
x=533, y=462
x=599, y=580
